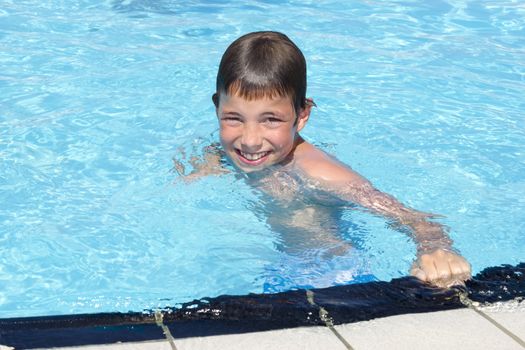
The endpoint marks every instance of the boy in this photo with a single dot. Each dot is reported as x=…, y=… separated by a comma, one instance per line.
x=261, y=107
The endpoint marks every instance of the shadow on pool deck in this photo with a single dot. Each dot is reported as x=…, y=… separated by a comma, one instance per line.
x=259, y=312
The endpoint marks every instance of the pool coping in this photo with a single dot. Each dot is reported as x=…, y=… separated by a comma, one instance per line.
x=227, y=314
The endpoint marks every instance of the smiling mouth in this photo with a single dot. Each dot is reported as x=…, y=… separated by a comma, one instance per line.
x=252, y=158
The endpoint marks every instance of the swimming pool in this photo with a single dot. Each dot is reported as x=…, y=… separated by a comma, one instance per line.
x=97, y=99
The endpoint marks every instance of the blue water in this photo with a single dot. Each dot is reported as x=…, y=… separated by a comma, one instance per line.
x=97, y=97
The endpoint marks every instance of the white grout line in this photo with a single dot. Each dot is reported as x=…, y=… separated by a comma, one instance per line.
x=472, y=305
x=159, y=320
x=324, y=316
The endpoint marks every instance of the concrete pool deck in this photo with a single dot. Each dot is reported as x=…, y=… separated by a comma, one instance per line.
x=498, y=326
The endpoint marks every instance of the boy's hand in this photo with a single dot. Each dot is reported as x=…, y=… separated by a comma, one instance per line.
x=207, y=164
x=441, y=268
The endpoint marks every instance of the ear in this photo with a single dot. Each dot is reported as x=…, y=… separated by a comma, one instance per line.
x=304, y=114
x=215, y=99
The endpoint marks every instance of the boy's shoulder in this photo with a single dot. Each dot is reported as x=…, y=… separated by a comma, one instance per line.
x=323, y=167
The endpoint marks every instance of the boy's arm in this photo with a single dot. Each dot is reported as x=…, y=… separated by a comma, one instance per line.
x=436, y=260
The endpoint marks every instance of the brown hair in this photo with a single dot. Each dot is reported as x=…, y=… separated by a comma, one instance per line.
x=263, y=64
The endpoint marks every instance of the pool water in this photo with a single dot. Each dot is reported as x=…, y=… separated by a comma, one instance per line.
x=425, y=99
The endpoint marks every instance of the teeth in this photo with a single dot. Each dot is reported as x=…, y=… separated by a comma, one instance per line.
x=253, y=156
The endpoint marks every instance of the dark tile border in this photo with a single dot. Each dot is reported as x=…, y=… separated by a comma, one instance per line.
x=257, y=312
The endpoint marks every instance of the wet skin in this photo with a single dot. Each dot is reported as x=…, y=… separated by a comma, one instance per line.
x=262, y=133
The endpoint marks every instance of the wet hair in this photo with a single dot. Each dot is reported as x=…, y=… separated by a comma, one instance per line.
x=263, y=64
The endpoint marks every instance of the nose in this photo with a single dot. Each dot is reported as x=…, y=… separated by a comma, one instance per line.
x=251, y=139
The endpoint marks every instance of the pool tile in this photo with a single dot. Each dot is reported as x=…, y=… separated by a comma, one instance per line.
x=362, y=302
x=41, y=335
x=454, y=329
x=151, y=345
x=302, y=338
x=253, y=312
x=510, y=315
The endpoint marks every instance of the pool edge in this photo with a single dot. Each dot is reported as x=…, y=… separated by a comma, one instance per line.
x=261, y=312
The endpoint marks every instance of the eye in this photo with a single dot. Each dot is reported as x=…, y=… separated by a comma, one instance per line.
x=273, y=121
x=231, y=120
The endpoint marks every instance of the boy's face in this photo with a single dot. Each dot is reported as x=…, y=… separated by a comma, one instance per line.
x=259, y=133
